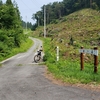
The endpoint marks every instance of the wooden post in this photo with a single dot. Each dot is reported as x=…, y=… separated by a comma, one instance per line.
x=95, y=61
x=82, y=60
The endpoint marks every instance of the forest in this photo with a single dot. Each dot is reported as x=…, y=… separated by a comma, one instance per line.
x=11, y=30
x=57, y=10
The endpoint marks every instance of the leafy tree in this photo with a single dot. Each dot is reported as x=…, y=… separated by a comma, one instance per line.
x=11, y=31
x=49, y=10
x=7, y=17
x=34, y=27
x=29, y=25
x=1, y=3
x=95, y=6
x=9, y=2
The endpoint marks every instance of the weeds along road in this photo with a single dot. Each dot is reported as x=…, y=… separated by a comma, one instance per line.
x=20, y=79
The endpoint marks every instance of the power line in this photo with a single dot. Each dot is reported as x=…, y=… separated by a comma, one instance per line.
x=38, y=3
x=32, y=1
x=44, y=21
x=27, y=6
x=29, y=10
x=35, y=2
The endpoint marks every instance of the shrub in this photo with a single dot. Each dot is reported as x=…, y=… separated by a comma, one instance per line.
x=47, y=56
x=3, y=49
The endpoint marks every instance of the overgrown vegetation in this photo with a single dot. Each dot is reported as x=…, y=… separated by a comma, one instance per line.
x=23, y=48
x=11, y=31
x=78, y=29
x=68, y=70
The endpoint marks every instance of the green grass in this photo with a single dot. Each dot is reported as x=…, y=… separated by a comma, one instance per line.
x=69, y=70
x=0, y=65
x=23, y=48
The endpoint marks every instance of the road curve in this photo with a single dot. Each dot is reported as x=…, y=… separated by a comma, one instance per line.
x=21, y=79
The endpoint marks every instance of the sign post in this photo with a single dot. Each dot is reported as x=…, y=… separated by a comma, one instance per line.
x=82, y=59
x=92, y=52
x=95, y=61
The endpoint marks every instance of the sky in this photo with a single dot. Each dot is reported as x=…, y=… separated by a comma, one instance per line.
x=29, y=7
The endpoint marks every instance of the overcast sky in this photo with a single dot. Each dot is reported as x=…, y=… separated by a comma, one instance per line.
x=29, y=7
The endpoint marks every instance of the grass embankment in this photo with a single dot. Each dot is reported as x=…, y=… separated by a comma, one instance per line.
x=81, y=28
x=24, y=47
x=69, y=70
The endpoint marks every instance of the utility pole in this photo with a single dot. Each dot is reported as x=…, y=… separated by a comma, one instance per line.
x=90, y=3
x=44, y=21
x=38, y=20
x=26, y=23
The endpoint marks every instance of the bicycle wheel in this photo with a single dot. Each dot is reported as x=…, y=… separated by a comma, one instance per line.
x=37, y=58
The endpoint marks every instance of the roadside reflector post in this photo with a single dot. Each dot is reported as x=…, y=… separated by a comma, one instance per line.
x=57, y=53
x=82, y=59
x=96, y=60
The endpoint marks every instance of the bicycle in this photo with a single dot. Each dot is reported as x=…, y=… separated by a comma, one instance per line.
x=37, y=57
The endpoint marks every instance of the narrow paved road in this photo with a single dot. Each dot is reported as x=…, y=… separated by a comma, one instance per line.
x=20, y=79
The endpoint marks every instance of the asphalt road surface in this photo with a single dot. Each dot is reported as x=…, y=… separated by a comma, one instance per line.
x=22, y=79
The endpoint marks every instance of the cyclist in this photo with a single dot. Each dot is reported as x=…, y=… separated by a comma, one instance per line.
x=39, y=52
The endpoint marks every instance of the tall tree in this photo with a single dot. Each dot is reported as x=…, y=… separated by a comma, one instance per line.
x=1, y=2
x=58, y=9
x=9, y=2
x=90, y=3
x=17, y=12
x=48, y=10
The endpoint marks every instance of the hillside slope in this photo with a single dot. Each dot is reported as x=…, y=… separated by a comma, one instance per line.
x=82, y=28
